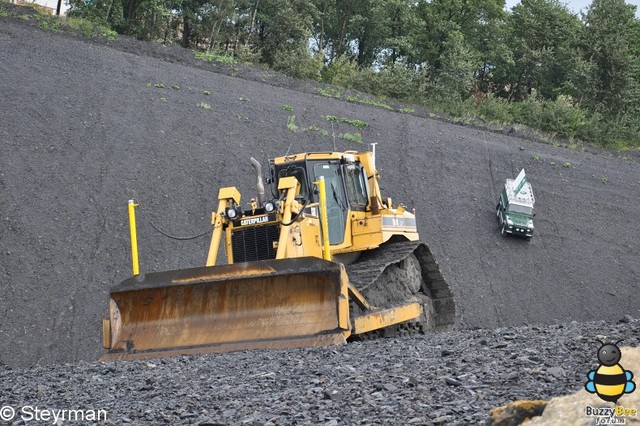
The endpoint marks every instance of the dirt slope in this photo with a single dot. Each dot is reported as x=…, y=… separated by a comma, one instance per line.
x=83, y=129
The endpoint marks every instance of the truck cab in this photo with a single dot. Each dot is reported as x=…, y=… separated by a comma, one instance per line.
x=515, y=209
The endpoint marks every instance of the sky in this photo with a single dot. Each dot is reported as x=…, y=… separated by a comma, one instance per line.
x=578, y=6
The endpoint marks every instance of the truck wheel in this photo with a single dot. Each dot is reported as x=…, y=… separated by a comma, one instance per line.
x=498, y=210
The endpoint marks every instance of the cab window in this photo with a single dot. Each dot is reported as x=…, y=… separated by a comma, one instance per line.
x=336, y=208
x=356, y=184
x=299, y=173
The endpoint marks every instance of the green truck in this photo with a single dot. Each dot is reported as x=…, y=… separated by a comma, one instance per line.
x=515, y=207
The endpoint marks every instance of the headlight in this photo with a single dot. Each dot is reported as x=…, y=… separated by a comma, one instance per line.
x=269, y=207
x=232, y=213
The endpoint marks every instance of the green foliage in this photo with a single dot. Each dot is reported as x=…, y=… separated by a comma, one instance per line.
x=291, y=124
x=214, y=57
x=245, y=55
x=351, y=137
x=205, y=106
x=297, y=62
x=542, y=38
x=407, y=110
x=287, y=108
x=206, y=93
x=372, y=102
x=339, y=70
x=454, y=80
x=329, y=92
x=398, y=82
x=495, y=109
x=559, y=117
x=355, y=123
x=610, y=38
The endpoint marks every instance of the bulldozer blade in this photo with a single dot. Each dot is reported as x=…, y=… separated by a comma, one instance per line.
x=265, y=304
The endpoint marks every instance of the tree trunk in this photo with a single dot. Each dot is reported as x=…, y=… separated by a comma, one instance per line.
x=186, y=32
x=253, y=22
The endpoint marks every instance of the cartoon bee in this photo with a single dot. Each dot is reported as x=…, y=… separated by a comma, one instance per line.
x=610, y=381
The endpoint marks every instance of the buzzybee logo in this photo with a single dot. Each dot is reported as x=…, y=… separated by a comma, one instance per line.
x=610, y=380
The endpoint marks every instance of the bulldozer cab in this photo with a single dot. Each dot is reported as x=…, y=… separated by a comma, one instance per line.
x=346, y=185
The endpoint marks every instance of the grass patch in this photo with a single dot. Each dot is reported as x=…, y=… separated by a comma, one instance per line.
x=406, y=110
x=215, y=57
x=351, y=137
x=205, y=106
x=330, y=93
x=291, y=124
x=370, y=102
x=354, y=123
x=287, y=108
x=241, y=99
x=87, y=28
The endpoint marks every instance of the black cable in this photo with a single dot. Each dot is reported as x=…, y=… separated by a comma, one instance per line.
x=166, y=234
x=306, y=202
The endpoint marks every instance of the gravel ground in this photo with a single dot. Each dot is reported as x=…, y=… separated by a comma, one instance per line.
x=445, y=378
x=87, y=125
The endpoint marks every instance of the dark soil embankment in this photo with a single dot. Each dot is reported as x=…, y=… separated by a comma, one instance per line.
x=85, y=127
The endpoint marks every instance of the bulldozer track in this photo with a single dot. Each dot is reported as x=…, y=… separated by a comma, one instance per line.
x=404, y=271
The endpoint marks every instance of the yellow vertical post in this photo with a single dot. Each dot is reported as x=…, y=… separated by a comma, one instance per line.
x=134, y=238
x=216, y=236
x=324, y=220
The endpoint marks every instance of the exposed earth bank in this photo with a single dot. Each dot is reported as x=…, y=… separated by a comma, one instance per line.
x=87, y=125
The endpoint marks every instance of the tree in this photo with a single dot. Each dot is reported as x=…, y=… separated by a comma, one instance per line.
x=609, y=41
x=283, y=25
x=454, y=79
x=542, y=36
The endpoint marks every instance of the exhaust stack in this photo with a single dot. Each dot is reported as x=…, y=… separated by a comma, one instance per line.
x=259, y=185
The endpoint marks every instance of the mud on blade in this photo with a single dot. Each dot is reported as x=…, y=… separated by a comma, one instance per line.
x=265, y=304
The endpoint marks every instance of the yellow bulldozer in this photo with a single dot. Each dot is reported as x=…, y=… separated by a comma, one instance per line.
x=322, y=259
